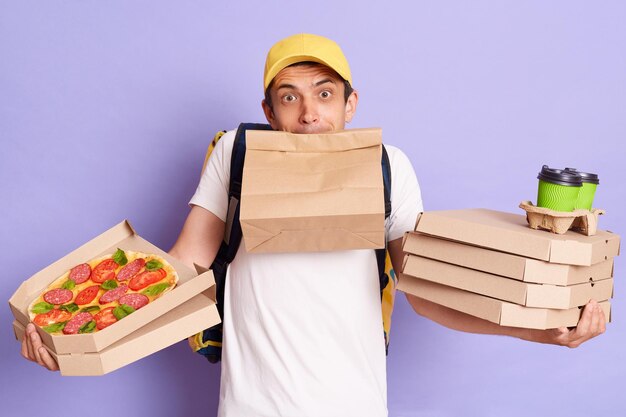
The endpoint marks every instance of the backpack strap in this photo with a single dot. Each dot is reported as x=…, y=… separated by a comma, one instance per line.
x=212, y=338
x=386, y=167
x=381, y=253
x=209, y=151
x=386, y=275
x=232, y=232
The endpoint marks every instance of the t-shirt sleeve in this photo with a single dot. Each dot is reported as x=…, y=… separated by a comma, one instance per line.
x=212, y=191
x=406, y=197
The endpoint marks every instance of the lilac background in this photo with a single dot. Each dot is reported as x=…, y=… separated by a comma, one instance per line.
x=106, y=109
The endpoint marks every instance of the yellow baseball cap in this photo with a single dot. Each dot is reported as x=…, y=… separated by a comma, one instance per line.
x=305, y=47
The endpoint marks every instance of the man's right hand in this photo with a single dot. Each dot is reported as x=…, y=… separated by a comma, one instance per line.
x=33, y=349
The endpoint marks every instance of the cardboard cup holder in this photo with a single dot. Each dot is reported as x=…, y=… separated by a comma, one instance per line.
x=559, y=222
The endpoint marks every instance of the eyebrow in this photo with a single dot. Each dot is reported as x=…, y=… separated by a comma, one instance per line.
x=324, y=81
x=289, y=86
x=317, y=84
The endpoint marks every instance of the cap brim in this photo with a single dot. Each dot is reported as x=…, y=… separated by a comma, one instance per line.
x=290, y=60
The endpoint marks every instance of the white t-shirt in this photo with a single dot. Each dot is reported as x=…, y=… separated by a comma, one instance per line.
x=303, y=332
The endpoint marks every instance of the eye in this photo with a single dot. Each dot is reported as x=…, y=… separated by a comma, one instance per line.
x=289, y=98
x=325, y=94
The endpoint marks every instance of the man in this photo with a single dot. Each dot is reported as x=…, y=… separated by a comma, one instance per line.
x=302, y=331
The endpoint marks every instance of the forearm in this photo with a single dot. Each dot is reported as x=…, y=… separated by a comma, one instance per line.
x=457, y=320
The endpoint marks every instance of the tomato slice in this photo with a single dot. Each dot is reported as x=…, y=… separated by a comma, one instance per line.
x=87, y=295
x=141, y=281
x=105, y=318
x=104, y=271
x=52, y=316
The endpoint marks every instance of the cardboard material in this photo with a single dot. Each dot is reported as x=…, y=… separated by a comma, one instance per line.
x=509, y=233
x=120, y=236
x=193, y=316
x=581, y=220
x=315, y=192
x=506, y=289
x=505, y=264
x=496, y=311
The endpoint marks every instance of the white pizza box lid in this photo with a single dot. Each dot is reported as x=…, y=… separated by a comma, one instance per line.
x=187, y=319
x=122, y=236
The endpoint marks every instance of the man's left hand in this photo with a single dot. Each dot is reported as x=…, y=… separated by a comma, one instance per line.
x=592, y=323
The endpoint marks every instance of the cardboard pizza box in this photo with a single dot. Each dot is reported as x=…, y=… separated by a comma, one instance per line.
x=313, y=192
x=504, y=264
x=491, y=309
x=506, y=289
x=120, y=236
x=507, y=232
x=187, y=319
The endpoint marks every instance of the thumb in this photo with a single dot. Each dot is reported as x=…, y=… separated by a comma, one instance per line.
x=561, y=331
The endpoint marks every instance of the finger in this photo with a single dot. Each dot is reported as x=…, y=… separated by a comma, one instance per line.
x=592, y=330
x=595, y=321
x=585, y=320
x=601, y=325
x=47, y=359
x=29, y=344
x=560, y=331
x=581, y=332
x=561, y=334
x=602, y=321
x=24, y=350
x=35, y=339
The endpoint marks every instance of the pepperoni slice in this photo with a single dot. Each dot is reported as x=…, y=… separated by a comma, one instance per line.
x=105, y=318
x=131, y=269
x=146, y=278
x=58, y=296
x=87, y=295
x=113, y=294
x=134, y=300
x=77, y=321
x=104, y=271
x=80, y=273
x=52, y=316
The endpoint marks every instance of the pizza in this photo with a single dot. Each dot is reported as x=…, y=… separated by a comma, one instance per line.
x=94, y=295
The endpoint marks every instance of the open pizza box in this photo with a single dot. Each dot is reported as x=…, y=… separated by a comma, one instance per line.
x=507, y=232
x=504, y=264
x=122, y=236
x=506, y=289
x=189, y=318
x=494, y=310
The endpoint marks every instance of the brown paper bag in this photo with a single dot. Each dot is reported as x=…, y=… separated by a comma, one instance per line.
x=313, y=192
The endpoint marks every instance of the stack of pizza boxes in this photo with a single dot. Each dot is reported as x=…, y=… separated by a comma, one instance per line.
x=491, y=265
x=181, y=312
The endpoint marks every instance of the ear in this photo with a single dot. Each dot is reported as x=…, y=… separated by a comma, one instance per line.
x=351, y=103
x=269, y=114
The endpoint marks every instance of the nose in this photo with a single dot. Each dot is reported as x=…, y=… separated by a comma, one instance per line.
x=309, y=113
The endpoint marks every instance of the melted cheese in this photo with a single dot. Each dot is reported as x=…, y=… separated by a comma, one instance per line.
x=171, y=278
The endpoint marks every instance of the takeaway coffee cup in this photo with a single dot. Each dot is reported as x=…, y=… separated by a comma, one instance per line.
x=558, y=189
x=588, y=190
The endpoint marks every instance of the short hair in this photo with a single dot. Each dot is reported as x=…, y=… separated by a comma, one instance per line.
x=347, y=88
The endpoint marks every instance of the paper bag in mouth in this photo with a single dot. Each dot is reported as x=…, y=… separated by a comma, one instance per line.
x=313, y=192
